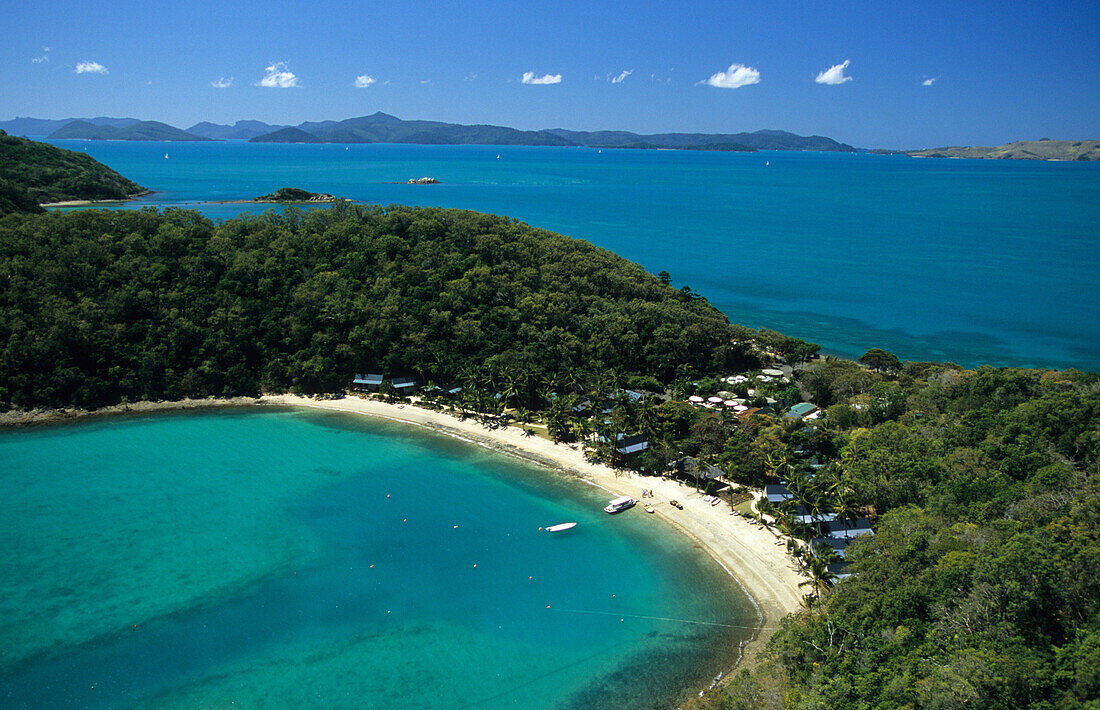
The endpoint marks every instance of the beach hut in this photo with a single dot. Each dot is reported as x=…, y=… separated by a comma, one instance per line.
x=631, y=445
x=404, y=386
x=703, y=473
x=371, y=383
x=777, y=492
x=845, y=529
x=802, y=410
x=819, y=544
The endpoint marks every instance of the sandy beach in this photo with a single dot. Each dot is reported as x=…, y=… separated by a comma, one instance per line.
x=749, y=552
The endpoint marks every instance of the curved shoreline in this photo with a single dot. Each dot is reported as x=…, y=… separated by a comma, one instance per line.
x=748, y=552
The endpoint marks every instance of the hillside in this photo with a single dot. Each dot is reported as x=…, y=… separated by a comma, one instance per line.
x=286, y=135
x=1019, y=150
x=241, y=130
x=140, y=131
x=383, y=128
x=26, y=126
x=33, y=173
x=131, y=305
x=758, y=140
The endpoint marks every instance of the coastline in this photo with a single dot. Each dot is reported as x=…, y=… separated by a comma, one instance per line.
x=748, y=552
x=89, y=203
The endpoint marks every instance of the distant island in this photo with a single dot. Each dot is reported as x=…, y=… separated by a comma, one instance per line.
x=384, y=128
x=289, y=134
x=33, y=173
x=140, y=131
x=721, y=147
x=1043, y=149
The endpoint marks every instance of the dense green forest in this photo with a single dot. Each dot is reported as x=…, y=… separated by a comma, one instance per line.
x=108, y=306
x=981, y=584
x=33, y=173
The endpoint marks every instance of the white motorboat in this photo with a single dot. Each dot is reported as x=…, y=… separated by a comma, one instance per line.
x=560, y=527
x=619, y=505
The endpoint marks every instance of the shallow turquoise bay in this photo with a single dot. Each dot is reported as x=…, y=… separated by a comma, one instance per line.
x=970, y=261
x=287, y=558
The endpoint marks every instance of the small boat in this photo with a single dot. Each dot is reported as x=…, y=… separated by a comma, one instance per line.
x=648, y=508
x=708, y=499
x=619, y=504
x=676, y=504
x=166, y=156
x=716, y=501
x=560, y=527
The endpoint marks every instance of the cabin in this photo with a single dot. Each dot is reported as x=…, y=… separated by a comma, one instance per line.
x=404, y=386
x=370, y=383
x=701, y=472
x=804, y=516
x=777, y=492
x=845, y=529
x=839, y=545
x=631, y=445
x=803, y=410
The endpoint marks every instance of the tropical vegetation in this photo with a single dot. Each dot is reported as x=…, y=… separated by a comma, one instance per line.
x=32, y=173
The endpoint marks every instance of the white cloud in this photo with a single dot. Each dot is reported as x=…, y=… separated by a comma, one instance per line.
x=530, y=78
x=364, y=80
x=276, y=76
x=425, y=81
x=622, y=77
x=222, y=83
x=469, y=77
x=929, y=82
x=834, y=75
x=735, y=77
x=90, y=68
x=44, y=58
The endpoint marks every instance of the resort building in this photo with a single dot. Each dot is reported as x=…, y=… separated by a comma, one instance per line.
x=371, y=383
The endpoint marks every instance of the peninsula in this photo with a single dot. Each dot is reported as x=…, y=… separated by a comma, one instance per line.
x=33, y=173
x=1018, y=150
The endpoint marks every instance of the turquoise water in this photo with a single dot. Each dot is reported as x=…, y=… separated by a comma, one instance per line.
x=302, y=559
x=972, y=261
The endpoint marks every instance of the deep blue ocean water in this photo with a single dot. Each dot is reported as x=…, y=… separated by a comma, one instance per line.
x=970, y=261
x=291, y=559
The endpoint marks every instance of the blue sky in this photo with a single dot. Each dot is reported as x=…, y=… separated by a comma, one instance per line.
x=917, y=74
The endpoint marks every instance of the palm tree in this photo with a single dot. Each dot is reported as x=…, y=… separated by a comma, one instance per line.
x=821, y=579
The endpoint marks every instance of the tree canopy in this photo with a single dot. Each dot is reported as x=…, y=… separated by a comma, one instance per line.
x=105, y=306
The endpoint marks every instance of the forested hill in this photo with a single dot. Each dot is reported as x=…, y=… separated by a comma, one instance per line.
x=140, y=131
x=32, y=173
x=980, y=587
x=106, y=306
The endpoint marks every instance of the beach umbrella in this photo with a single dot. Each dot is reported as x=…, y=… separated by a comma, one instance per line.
x=714, y=400
x=730, y=403
x=696, y=399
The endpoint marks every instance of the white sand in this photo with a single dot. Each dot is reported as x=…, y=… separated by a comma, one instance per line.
x=747, y=551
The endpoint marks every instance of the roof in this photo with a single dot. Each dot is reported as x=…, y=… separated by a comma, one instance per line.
x=697, y=469
x=399, y=382
x=846, y=528
x=367, y=380
x=632, y=444
x=801, y=410
x=836, y=543
x=776, y=492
